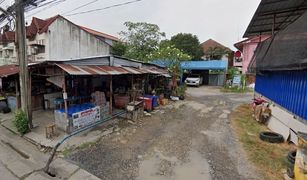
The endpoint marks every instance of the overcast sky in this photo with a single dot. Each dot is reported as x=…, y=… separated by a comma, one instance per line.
x=222, y=20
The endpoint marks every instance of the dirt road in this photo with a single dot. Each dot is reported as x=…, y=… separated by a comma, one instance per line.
x=190, y=139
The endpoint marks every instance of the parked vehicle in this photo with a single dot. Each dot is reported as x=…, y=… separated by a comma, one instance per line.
x=194, y=80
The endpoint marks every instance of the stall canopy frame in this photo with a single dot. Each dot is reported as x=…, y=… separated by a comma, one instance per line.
x=274, y=15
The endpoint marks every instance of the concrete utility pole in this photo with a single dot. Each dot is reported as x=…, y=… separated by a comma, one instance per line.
x=21, y=49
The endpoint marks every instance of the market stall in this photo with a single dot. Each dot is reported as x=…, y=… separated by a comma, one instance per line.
x=88, y=98
x=95, y=89
x=8, y=88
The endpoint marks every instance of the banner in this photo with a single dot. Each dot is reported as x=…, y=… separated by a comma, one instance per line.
x=85, y=118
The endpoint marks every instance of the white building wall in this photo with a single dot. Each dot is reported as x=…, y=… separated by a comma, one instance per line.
x=39, y=38
x=68, y=41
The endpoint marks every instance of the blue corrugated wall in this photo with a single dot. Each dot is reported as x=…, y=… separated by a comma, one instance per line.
x=286, y=88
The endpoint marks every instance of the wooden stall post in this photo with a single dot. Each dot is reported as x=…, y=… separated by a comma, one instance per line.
x=132, y=81
x=65, y=96
x=30, y=100
x=111, y=95
x=18, y=105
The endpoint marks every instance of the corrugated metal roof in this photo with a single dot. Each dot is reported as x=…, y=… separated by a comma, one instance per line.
x=8, y=70
x=107, y=70
x=98, y=70
x=283, y=11
x=205, y=65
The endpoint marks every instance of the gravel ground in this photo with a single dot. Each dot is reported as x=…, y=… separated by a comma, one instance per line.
x=189, y=139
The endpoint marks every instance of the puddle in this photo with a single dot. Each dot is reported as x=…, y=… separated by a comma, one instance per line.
x=196, y=168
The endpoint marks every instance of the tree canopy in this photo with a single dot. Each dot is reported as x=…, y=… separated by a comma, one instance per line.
x=188, y=43
x=216, y=53
x=172, y=58
x=140, y=39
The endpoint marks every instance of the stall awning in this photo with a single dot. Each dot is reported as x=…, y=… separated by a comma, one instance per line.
x=105, y=70
x=97, y=70
x=8, y=70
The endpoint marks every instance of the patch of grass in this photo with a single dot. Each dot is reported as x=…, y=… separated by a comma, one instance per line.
x=86, y=145
x=268, y=157
x=68, y=151
x=236, y=90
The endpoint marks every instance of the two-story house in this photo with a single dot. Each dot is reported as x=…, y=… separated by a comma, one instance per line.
x=247, y=48
x=56, y=38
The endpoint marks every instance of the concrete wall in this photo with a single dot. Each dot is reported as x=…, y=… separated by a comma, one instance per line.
x=68, y=41
x=285, y=122
x=248, y=52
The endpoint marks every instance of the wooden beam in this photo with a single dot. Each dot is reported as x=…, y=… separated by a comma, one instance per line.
x=30, y=96
x=111, y=95
x=17, y=94
x=65, y=96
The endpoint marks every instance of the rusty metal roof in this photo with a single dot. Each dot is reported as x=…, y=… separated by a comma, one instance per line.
x=107, y=70
x=8, y=70
x=275, y=14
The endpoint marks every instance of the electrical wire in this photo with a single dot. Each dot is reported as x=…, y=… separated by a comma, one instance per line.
x=48, y=5
x=108, y=7
x=84, y=5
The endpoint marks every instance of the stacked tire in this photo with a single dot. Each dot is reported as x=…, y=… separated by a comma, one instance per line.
x=290, y=161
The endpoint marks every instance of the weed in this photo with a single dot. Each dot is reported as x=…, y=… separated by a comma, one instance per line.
x=269, y=158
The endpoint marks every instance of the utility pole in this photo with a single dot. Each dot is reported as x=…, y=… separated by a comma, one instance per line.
x=21, y=49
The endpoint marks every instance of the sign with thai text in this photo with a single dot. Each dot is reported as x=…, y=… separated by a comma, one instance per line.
x=236, y=80
x=85, y=118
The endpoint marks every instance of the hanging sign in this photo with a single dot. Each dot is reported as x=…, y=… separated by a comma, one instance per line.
x=85, y=118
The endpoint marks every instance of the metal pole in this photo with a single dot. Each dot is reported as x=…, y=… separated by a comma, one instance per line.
x=22, y=58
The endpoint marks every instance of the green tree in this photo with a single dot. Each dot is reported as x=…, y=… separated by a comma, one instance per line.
x=215, y=53
x=172, y=57
x=141, y=39
x=119, y=48
x=189, y=44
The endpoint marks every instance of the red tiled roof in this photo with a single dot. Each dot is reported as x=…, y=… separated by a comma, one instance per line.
x=100, y=34
x=48, y=22
x=41, y=26
x=210, y=43
x=8, y=36
x=8, y=70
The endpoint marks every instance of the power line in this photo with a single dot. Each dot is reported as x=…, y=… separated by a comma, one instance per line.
x=50, y=3
x=108, y=7
x=84, y=5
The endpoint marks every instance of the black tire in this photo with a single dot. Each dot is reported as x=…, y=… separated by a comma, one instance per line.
x=271, y=137
x=289, y=164
x=290, y=173
x=291, y=156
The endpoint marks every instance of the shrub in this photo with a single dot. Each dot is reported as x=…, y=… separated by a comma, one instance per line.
x=21, y=122
x=180, y=90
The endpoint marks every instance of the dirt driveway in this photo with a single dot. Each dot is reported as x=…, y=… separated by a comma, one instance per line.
x=190, y=139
